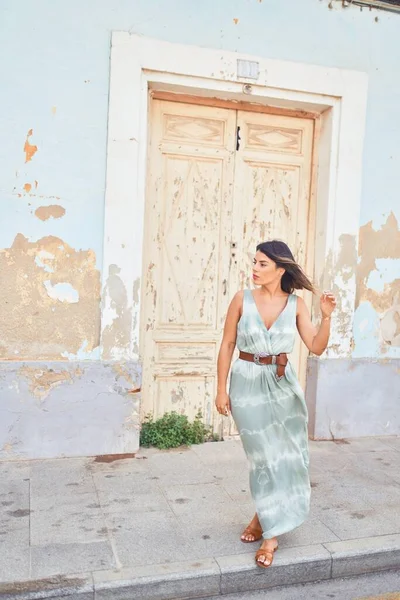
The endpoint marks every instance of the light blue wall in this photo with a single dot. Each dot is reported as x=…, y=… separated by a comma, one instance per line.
x=57, y=55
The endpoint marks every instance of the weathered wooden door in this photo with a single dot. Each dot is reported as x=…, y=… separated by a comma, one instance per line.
x=219, y=182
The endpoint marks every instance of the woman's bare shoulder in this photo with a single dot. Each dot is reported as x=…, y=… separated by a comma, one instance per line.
x=237, y=301
x=300, y=305
x=239, y=294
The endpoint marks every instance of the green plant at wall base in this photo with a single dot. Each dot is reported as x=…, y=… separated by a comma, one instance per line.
x=173, y=430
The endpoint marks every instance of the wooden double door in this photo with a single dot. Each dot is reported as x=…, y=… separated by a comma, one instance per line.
x=220, y=181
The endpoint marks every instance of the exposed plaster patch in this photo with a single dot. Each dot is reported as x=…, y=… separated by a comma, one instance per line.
x=132, y=378
x=41, y=381
x=116, y=335
x=29, y=149
x=373, y=245
x=34, y=325
x=45, y=212
x=27, y=187
x=378, y=278
x=134, y=385
x=121, y=371
x=40, y=196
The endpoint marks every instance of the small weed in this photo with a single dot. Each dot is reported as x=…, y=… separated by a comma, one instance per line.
x=173, y=430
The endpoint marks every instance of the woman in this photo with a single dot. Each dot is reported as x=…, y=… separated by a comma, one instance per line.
x=265, y=397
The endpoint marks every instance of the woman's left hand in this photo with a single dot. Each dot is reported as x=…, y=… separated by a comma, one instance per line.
x=327, y=304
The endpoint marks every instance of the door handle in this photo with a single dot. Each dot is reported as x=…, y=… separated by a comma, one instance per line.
x=224, y=287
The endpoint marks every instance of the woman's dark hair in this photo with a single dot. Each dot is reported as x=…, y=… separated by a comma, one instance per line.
x=294, y=277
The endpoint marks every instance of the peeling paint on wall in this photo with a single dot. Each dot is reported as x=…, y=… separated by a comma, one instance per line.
x=346, y=263
x=29, y=149
x=121, y=371
x=58, y=408
x=117, y=333
x=46, y=212
x=374, y=245
x=340, y=271
x=50, y=299
x=378, y=276
x=41, y=381
x=135, y=313
x=390, y=324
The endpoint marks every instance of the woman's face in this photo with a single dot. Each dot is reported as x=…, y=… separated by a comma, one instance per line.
x=265, y=270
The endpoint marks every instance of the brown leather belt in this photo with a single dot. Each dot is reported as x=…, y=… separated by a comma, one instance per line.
x=281, y=360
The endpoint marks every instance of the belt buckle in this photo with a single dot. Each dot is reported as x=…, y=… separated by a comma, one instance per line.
x=257, y=357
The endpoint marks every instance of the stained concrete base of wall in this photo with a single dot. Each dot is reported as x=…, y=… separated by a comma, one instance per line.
x=353, y=397
x=69, y=409
x=91, y=408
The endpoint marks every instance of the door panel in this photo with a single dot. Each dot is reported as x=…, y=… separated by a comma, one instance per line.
x=190, y=237
x=188, y=225
x=272, y=193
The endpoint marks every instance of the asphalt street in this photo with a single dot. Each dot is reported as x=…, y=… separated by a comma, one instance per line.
x=374, y=586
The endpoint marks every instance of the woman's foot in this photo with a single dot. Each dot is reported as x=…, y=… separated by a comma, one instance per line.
x=253, y=531
x=265, y=555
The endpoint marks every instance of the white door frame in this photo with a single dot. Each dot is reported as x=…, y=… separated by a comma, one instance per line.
x=337, y=96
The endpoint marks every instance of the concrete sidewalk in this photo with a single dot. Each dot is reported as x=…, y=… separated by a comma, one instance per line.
x=166, y=524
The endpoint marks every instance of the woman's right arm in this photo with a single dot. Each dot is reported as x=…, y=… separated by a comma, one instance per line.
x=226, y=351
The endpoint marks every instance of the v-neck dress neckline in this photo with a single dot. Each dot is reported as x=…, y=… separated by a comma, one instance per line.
x=268, y=329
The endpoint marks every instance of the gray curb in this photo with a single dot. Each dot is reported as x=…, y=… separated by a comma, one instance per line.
x=217, y=576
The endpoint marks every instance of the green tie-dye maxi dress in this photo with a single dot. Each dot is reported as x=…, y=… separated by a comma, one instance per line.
x=271, y=417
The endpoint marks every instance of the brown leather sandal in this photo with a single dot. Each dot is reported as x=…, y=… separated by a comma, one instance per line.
x=268, y=554
x=254, y=531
